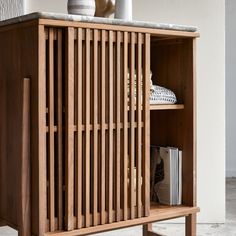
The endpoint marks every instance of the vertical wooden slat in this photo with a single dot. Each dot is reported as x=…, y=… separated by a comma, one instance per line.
x=59, y=129
x=132, y=125
x=146, y=133
x=24, y=213
x=118, y=140
x=103, y=115
x=42, y=189
x=194, y=95
x=110, y=200
x=139, y=126
x=87, y=132
x=69, y=129
x=79, y=131
x=125, y=125
x=51, y=131
x=95, y=128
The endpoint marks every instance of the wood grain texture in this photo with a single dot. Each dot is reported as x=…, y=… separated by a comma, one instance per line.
x=177, y=127
x=190, y=225
x=51, y=141
x=118, y=127
x=125, y=130
x=132, y=128
x=111, y=79
x=146, y=136
x=95, y=130
x=103, y=117
x=79, y=132
x=139, y=127
x=60, y=128
x=41, y=134
x=69, y=132
x=24, y=208
x=154, y=32
x=87, y=130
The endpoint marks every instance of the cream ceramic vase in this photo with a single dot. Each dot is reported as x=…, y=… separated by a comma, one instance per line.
x=81, y=7
x=124, y=9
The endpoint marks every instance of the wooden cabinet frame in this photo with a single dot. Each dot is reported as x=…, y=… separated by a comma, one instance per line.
x=76, y=125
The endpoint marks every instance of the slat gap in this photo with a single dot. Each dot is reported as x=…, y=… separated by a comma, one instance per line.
x=125, y=131
x=139, y=126
x=79, y=129
x=87, y=132
x=132, y=120
x=59, y=128
x=103, y=112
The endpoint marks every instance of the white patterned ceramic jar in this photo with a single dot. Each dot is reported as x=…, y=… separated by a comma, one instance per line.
x=81, y=7
x=124, y=9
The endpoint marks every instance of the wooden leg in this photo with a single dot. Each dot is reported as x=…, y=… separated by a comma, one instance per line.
x=190, y=225
x=147, y=231
x=24, y=211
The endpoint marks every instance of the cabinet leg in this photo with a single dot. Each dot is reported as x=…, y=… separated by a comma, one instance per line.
x=147, y=231
x=190, y=225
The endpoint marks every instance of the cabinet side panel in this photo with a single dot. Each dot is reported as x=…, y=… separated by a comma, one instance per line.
x=2, y=131
x=18, y=61
x=189, y=157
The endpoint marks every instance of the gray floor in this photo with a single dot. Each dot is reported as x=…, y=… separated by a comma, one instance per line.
x=228, y=229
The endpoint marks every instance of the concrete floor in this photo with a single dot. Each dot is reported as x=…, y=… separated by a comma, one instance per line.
x=228, y=229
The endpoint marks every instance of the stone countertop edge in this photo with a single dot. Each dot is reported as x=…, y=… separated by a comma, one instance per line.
x=99, y=20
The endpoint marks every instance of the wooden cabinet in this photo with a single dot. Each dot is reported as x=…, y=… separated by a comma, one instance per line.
x=76, y=125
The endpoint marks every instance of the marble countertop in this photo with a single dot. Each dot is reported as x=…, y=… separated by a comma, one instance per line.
x=99, y=20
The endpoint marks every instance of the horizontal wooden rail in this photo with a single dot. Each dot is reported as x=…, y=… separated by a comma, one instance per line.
x=155, y=216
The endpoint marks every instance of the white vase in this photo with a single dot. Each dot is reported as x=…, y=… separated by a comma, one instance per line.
x=81, y=7
x=124, y=9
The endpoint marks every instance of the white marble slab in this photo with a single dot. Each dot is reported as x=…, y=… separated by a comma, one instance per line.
x=99, y=20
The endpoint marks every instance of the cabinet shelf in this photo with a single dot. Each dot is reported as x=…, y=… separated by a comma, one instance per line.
x=160, y=212
x=154, y=107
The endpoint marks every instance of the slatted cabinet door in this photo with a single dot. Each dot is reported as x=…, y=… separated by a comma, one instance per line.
x=97, y=98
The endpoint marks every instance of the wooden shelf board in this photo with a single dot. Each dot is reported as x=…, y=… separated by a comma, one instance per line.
x=162, y=212
x=157, y=213
x=160, y=107
x=166, y=107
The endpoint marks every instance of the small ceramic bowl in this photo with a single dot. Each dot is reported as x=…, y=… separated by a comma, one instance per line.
x=81, y=7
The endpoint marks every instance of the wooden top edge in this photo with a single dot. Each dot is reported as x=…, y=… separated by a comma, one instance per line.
x=66, y=20
x=152, y=31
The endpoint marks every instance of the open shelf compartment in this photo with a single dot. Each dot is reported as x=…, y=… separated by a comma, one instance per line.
x=172, y=66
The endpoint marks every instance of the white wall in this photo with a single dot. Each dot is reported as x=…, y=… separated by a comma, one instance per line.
x=209, y=16
x=46, y=5
x=230, y=88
